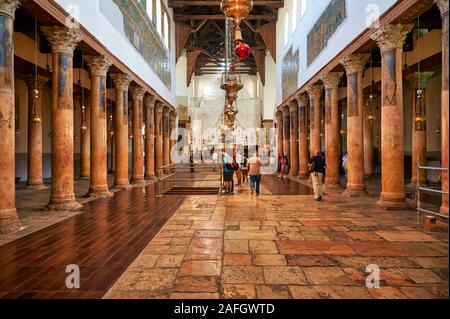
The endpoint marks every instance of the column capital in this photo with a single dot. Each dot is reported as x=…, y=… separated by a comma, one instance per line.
x=8, y=7
x=285, y=110
x=166, y=110
x=137, y=92
x=391, y=36
x=150, y=101
x=173, y=114
x=331, y=80
x=443, y=6
x=159, y=107
x=35, y=83
x=418, y=80
x=62, y=40
x=279, y=115
x=98, y=64
x=314, y=90
x=293, y=106
x=355, y=63
x=121, y=81
x=302, y=99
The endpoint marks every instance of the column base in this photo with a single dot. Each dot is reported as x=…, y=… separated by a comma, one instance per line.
x=67, y=206
x=444, y=210
x=9, y=221
x=303, y=176
x=334, y=187
x=36, y=187
x=355, y=191
x=138, y=181
x=99, y=194
x=122, y=185
x=85, y=177
x=151, y=178
x=392, y=205
x=293, y=173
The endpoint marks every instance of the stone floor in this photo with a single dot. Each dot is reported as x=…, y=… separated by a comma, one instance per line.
x=289, y=246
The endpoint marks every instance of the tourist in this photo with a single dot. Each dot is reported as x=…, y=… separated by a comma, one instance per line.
x=254, y=171
x=344, y=164
x=284, y=166
x=317, y=171
x=227, y=174
x=244, y=169
x=238, y=170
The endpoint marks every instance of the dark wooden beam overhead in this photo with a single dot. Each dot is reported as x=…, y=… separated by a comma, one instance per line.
x=184, y=17
x=208, y=3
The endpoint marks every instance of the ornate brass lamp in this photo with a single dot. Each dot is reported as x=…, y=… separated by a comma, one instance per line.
x=237, y=10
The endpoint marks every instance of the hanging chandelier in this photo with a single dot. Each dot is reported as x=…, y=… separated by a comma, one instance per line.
x=237, y=10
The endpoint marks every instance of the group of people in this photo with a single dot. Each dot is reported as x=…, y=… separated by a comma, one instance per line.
x=244, y=169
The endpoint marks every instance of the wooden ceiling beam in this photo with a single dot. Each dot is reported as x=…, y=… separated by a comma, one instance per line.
x=183, y=3
x=184, y=17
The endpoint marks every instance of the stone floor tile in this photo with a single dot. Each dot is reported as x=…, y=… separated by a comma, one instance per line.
x=287, y=275
x=196, y=284
x=153, y=279
x=430, y=262
x=251, y=234
x=423, y=276
x=239, y=291
x=310, y=260
x=196, y=295
x=408, y=236
x=237, y=259
x=272, y=292
x=363, y=236
x=387, y=293
x=169, y=261
x=313, y=292
x=326, y=276
x=416, y=293
x=200, y=268
x=242, y=275
x=205, y=249
x=263, y=247
x=208, y=225
x=237, y=246
x=270, y=260
x=209, y=233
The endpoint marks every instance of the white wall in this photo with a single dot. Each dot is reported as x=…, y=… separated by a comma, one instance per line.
x=358, y=14
x=96, y=23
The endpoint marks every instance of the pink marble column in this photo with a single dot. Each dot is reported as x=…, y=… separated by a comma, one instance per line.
x=279, y=116
x=98, y=66
x=166, y=139
x=303, y=170
x=137, y=169
x=121, y=83
x=159, y=107
x=368, y=140
x=354, y=65
x=418, y=84
x=443, y=7
x=35, y=87
x=173, y=134
x=9, y=221
x=286, y=130
x=293, y=108
x=315, y=92
x=390, y=39
x=331, y=81
x=150, y=101
x=85, y=142
x=63, y=42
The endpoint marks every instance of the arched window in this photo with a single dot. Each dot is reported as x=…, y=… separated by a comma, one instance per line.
x=294, y=15
x=166, y=30
x=286, y=28
x=303, y=7
x=158, y=17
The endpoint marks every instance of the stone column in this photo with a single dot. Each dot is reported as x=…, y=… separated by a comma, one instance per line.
x=85, y=142
x=390, y=39
x=286, y=130
x=279, y=116
x=98, y=66
x=35, y=87
x=354, y=65
x=331, y=81
x=368, y=139
x=159, y=107
x=315, y=92
x=137, y=170
x=121, y=83
x=443, y=7
x=303, y=170
x=293, y=108
x=173, y=135
x=418, y=83
x=9, y=221
x=150, y=137
x=166, y=138
x=63, y=42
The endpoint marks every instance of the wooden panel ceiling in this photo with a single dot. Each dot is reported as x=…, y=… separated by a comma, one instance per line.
x=200, y=26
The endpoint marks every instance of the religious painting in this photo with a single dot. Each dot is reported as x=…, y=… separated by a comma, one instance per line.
x=325, y=27
x=142, y=34
x=313, y=109
x=302, y=118
x=289, y=73
x=390, y=86
x=328, y=118
x=353, y=100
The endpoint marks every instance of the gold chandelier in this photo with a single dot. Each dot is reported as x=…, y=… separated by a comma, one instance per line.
x=237, y=10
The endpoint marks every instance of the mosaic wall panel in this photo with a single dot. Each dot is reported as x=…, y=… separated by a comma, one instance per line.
x=325, y=27
x=289, y=73
x=142, y=34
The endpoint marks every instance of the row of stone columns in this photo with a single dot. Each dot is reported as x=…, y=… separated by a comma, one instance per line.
x=390, y=40
x=94, y=133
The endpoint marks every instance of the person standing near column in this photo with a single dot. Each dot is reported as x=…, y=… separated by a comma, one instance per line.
x=317, y=170
x=390, y=39
x=63, y=41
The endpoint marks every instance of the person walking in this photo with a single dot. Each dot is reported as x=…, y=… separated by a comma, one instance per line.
x=254, y=171
x=238, y=170
x=284, y=165
x=317, y=170
x=244, y=169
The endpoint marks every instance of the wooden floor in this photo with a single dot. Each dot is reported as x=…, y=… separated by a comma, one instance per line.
x=102, y=241
x=279, y=186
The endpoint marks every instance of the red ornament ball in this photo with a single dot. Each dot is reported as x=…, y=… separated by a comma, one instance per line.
x=242, y=50
x=232, y=68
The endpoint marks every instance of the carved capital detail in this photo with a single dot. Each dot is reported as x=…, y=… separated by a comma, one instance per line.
x=279, y=115
x=121, y=81
x=315, y=91
x=331, y=80
x=159, y=107
x=8, y=7
x=63, y=40
x=98, y=65
x=354, y=63
x=302, y=100
x=293, y=106
x=391, y=36
x=150, y=100
x=443, y=6
x=137, y=92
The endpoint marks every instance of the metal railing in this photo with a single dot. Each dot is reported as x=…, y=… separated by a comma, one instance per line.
x=168, y=173
x=420, y=189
